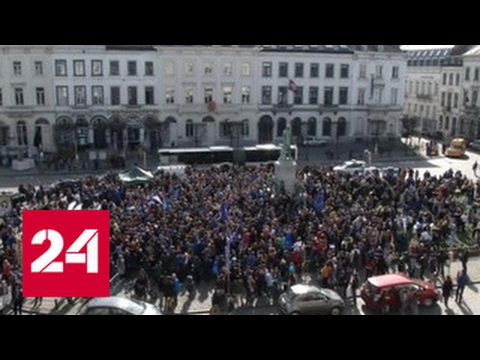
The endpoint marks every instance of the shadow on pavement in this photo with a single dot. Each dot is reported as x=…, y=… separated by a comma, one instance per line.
x=465, y=309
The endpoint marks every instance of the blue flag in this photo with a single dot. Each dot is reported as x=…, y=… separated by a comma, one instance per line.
x=320, y=202
x=166, y=204
x=225, y=213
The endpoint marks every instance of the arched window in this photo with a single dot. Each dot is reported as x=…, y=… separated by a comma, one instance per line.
x=190, y=129
x=342, y=127
x=82, y=132
x=99, y=125
x=327, y=127
x=312, y=127
x=22, y=136
x=281, y=126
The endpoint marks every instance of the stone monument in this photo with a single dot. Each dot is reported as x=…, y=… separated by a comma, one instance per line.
x=286, y=166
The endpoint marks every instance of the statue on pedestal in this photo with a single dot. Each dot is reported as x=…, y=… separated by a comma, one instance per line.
x=286, y=154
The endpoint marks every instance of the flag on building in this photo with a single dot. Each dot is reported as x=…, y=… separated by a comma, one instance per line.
x=292, y=86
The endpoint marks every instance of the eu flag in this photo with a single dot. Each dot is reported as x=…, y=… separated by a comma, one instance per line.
x=320, y=202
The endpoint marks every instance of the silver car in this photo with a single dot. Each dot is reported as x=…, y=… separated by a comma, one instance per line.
x=115, y=306
x=310, y=300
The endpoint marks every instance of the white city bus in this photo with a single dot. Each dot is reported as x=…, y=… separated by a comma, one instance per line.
x=223, y=155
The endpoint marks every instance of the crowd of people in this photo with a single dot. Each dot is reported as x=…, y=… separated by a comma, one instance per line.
x=232, y=228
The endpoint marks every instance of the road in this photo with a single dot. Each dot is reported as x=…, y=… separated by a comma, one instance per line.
x=202, y=303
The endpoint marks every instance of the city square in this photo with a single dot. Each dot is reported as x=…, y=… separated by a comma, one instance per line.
x=269, y=205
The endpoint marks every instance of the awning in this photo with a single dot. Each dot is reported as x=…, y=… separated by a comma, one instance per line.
x=136, y=176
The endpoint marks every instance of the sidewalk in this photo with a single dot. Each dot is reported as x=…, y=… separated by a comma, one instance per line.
x=203, y=301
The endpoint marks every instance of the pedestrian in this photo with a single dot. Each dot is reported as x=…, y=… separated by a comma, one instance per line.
x=462, y=282
x=414, y=303
x=190, y=285
x=404, y=301
x=354, y=284
x=447, y=290
x=17, y=298
x=464, y=259
x=3, y=295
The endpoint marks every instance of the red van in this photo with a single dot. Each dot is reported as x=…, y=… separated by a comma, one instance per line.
x=391, y=285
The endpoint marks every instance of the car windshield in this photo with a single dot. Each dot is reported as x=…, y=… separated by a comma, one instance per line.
x=135, y=307
x=291, y=296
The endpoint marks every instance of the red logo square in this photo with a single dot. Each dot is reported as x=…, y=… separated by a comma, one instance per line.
x=66, y=254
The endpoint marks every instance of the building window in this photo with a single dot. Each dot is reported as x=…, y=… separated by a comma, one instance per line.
x=343, y=96
x=246, y=69
x=189, y=95
x=208, y=94
x=457, y=80
x=79, y=68
x=246, y=95
x=477, y=74
x=283, y=96
x=363, y=71
x=298, y=98
x=97, y=95
x=132, y=96
x=149, y=68
x=245, y=128
x=38, y=68
x=281, y=126
x=328, y=96
x=395, y=72
x=226, y=130
x=80, y=96
x=170, y=96
x=450, y=79
x=266, y=95
x=40, y=95
x=150, y=95
x=330, y=71
x=394, y=97
x=314, y=71
x=227, y=94
x=344, y=71
x=445, y=78
x=62, y=96
x=456, y=98
x=283, y=70
x=379, y=72
x=361, y=96
x=17, y=68
x=467, y=74
x=190, y=129
x=115, y=98
x=132, y=68
x=61, y=68
x=267, y=70
x=313, y=95
x=189, y=68
x=169, y=68
x=1, y=97
x=22, y=137
x=299, y=70
x=208, y=69
x=228, y=69
x=97, y=68
x=19, y=97
x=114, y=68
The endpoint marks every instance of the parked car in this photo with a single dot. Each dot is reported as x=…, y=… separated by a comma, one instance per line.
x=351, y=167
x=372, y=171
x=310, y=300
x=373, y=290
x=312, y=141
x=475, y=145
x=115, y=306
